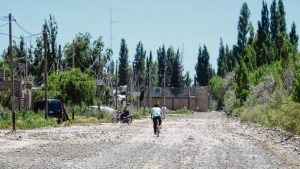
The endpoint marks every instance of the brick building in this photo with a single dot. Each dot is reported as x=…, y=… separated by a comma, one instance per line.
x=192, y=98
x=22, y=91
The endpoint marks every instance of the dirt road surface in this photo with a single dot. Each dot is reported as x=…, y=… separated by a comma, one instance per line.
x=201, y=140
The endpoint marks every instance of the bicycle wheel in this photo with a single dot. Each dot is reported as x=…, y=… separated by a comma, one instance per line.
x=115, y=120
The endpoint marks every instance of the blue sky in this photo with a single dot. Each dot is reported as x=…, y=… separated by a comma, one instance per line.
x=183, y=24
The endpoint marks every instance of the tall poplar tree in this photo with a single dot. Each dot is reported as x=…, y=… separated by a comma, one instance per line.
x=293, y=35
x=161, y=60
x=187, y=79
x=52, y=35
x=169, y=65
x=203, y=69
x=243, y=30
x=274, y=30
x=123, y=64
x=221, y=60
x=281, y=19
x=177, y=77
x=262, y=35
x=242, y=82
x=139, y=64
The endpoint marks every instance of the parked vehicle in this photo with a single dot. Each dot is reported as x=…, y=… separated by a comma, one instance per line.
x=117, y=118
x=56, y=109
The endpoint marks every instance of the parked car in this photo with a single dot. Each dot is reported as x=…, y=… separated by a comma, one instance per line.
x=105, y=108
x=56, y=109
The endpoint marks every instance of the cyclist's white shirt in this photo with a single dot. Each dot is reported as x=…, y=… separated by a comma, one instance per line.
x=155, y=111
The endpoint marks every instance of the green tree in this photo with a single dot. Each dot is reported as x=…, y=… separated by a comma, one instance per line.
x=250, y=58
x=203, y=69
x=221, y=60
x=293, y=35
x=152, y=69
x=100, y=56
x=81, y=51
x=278, y=27
x=169, y=65
x=111, y=67
x=161, y=60
x=262, y=35
x=251, y=34
x=230, y=61
x=51, y=43
x=177, y=77
x=218, y=91
x=71, y=86
x=187, y=79
x=123, y=64
x=4, y=65
x=243, y=30
x=242, y=82
x=274, y=28
x=139, y=64
x=281, y=19
x=38, y=62
x=296, y=91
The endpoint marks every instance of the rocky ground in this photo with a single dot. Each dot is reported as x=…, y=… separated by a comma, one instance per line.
x=201, y=140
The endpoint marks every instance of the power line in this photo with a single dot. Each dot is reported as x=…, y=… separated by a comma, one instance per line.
x=8, y=35
x=1, y=33
x=4, y=18
x=32, y=34
x=4, y=24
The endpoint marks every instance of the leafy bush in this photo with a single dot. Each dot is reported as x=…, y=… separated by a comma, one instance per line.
x=141, y=113
x=286, y=116
x=217, y=92
x=261, y=94
x=181, y=111
x=230, y=102
x=83, y=110
x=25, y=120
x=5, y=98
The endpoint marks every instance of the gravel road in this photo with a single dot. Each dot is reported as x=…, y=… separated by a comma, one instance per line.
x=201, y=140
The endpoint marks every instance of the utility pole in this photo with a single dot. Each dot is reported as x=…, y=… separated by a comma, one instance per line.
x=110, y=27
x=20, y=84
x=59, y=57
x=150, y=98
x=12, y=75
x=73, y=56
x=164, y=88
x=131, y=90
x=46, y=72
x=116, y=84
x=138, y=100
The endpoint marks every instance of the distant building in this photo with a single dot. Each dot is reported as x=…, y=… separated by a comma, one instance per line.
x=23, y=92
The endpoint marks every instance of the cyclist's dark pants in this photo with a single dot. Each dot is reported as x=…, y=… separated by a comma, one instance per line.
x=155, y=122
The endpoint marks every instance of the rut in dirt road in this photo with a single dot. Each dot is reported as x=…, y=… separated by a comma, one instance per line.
x=201, y=140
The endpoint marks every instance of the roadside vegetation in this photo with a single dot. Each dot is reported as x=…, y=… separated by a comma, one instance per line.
x=25, y=120
x=179, y=111
x=259, y=79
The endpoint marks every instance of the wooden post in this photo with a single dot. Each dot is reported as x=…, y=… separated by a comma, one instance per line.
x=12, y=75
x=46, y=72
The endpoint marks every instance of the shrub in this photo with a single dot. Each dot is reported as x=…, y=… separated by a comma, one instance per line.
x=230, y=102
x=25, y=120
x=181, y=111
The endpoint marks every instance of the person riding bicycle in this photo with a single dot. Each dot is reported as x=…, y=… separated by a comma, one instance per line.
x=125, y=113
x=156, y=115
